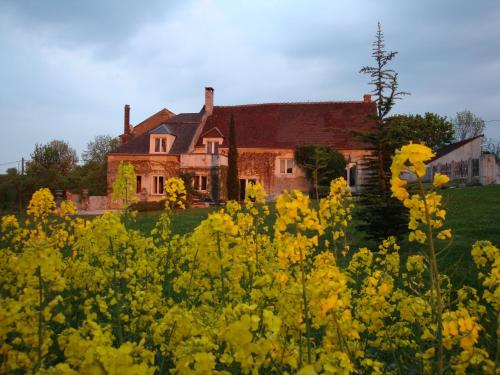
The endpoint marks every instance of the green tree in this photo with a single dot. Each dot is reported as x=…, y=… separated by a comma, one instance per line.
x=433, y=130
x=321, y=164
x=233, y=185
x=54, y=155
x=124, y=186
x=382, y=214
x=50, y=166
x=9, y=190
x=467, y=125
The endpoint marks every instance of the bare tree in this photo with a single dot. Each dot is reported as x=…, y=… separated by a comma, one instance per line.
x=467, y=125
x=99, y=148
x=492, y=146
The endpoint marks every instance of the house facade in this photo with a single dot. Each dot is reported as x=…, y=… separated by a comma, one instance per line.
x=166, y=145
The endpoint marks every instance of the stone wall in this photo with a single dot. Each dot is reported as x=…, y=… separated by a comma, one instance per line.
x=216, y=178
x=98, y=202
x=263, y=166
x=260, y=164
x=489, y=170
x=145, y=166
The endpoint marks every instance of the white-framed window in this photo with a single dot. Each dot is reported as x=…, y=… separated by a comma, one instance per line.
x=161, y=144
x=212, y=145
x=286, y=166
x=157, y=183
x=200, y=183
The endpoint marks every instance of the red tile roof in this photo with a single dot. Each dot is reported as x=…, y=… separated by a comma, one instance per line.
x=153, y=121
x=286, y=125
x=212, y=133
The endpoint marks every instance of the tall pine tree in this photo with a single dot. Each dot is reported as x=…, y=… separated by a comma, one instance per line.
x=382, y=214
x=232, y=162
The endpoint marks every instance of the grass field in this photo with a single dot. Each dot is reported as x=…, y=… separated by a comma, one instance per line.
x=473, y=214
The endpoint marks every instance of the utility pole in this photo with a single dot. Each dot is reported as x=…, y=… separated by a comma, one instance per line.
x=20, y=187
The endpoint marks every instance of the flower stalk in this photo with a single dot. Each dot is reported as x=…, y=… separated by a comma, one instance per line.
x=436, y=280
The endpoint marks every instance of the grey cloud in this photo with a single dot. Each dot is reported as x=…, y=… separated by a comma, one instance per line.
x=101, y=23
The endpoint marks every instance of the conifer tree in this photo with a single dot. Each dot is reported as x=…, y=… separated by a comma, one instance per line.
x=382, y=214
x=232, y=170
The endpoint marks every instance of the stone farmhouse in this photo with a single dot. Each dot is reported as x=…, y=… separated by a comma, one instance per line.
x=166, y=145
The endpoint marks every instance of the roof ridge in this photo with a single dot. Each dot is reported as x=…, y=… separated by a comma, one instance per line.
x=154, y=114
x=184, y=118
x=295, y=103
x=445, y=150
x=187, y=113
x=213, y=128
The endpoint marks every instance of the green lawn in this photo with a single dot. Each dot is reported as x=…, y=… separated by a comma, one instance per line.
x=473, y=214
x=184, y=221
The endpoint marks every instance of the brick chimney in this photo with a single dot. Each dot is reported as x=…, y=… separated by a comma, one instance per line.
x=126, y=123
x=209, y=100
x=367, y=98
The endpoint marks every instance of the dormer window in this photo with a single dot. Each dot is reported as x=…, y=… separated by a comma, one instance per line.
x=213, y=147
x=212, y=140
x=161, y=144
x=161, y=139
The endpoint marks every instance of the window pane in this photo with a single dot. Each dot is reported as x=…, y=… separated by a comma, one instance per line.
x=475, y=167
x=163, y=145
x=196, y=182
x=160, y=185
x=203, y=182
x=282, y=166
x=138, y=184
x=289, y=166
x=157, y=144
x=155, y=185
x=216, y=148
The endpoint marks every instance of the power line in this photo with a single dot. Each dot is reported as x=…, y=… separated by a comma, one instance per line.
x=11, y=162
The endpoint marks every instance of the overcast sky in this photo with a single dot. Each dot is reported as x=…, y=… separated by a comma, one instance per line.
x=69, y=66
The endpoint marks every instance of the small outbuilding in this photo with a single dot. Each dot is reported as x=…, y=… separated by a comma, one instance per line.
x=464, y=162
